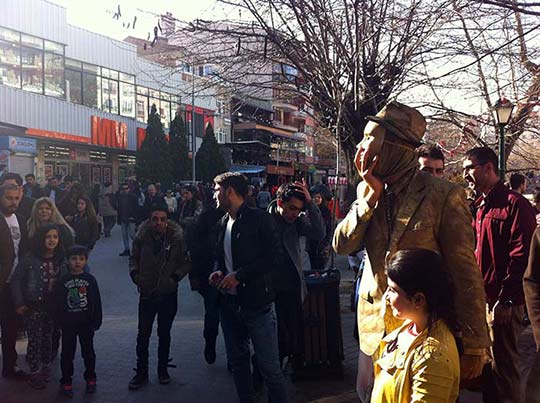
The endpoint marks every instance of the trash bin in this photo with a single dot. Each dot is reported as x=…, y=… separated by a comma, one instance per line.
x=322, y=337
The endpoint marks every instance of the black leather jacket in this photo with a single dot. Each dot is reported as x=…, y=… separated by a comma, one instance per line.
x=257, y=252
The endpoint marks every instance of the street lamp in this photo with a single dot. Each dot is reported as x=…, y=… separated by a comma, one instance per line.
x=503, y=112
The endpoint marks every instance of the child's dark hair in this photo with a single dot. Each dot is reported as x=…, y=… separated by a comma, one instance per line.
x=422, y=270
x=39, y=241
x=77, y=250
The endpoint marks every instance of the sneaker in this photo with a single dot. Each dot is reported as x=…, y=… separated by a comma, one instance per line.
x=124, y=253
x=163, y=376
x=210, y=351
x=140, y=379
x=91, y=386
x=67, y=389
x=36, y=381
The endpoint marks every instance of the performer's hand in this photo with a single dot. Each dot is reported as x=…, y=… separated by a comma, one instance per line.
x=215, y=278
x=471, y=366
x=365, y=169
x=21, y=310
x=229, y=282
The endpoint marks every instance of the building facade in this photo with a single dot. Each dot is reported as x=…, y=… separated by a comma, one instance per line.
x=75, y=102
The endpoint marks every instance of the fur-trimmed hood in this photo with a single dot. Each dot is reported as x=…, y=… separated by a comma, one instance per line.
x=174, y=230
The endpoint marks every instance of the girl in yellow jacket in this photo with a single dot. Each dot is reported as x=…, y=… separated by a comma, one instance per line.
x=419, y=361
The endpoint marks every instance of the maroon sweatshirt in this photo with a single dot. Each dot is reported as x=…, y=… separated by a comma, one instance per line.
x=505, y=222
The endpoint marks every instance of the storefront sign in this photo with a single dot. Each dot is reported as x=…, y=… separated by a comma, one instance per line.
x=109, y=133
x=18, y=144
x=57, y=135
x=79, y=155
x=276, y=170
x=4, y=157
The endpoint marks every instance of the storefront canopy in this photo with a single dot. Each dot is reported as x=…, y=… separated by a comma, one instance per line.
x=247, y=169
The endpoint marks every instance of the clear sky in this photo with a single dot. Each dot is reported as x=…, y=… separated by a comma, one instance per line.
x=97, y=15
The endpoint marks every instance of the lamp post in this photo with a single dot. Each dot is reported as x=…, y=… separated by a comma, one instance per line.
x=503, y=112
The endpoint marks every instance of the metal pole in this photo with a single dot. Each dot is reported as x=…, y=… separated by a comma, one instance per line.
x=502, y=163
x=193, y=137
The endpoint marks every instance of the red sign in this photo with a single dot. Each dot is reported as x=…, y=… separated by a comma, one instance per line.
x=57, y=135
x=109, y=133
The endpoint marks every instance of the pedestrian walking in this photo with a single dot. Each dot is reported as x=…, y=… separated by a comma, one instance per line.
x=264, y=197
x=431, y=159
x=85, y=223
x=289, y=283
x=107, y=208
x=127, y=215
x=78, y=312
x=248, y=252
x=172, y=204
x=189, y=207
x=32, y=285
x=14, y=245
x=31, y=187
x=157, y=263
x=399, y=207
x=319, y=250
x=53, y=190
x=419, y=361
x=151, y=197
x=531, y=285
x=203, y=257
x=504, y=224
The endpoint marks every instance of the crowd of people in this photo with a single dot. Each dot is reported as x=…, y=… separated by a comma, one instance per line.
x=447, y=275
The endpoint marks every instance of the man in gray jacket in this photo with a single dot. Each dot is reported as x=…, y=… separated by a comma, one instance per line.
x=289, y=283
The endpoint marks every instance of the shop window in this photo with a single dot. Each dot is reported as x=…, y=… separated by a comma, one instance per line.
x=127, y=78
x=32, y=70
x=142, y=90
x=10, y=64
x=54, y=75
x=127, y=100
x=54, y=47
x=142, y=108
x=91, y=90
x=74, y=86
x=73, y=64
x=110, y=96
x=32, y=41
x=165, y=113
x=9, y=35
x=91, y=68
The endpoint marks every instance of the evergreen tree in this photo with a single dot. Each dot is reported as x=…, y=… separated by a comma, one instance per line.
x=178, y=149
x=209, y=160
x=151, y=165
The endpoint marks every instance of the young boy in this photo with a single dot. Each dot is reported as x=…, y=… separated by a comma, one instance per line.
x=78, y=313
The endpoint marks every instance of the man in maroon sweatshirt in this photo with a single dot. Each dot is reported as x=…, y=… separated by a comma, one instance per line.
x=504, y=224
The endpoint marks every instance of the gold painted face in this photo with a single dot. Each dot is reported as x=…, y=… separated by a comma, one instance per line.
x=372, y=142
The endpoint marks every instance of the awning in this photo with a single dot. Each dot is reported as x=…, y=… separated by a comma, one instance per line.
x=247, y=169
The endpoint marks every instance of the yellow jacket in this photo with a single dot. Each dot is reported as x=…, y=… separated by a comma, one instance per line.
x=432, y=214
x=420, y=370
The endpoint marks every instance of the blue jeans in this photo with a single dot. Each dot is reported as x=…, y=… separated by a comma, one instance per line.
x=128, y=232
x=239, y=327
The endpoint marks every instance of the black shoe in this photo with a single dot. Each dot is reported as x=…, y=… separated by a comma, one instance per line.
x=140, y=379
x=210, y=351
x=124, y=253
x=15, y=373
x=91, y=386
x=163, y=376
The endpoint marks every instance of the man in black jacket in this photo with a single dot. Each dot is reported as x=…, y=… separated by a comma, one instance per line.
x=157, y=263
x=201, y=244
x=27, y=203
x=248, y=251
x=14, y=244
x=287, y=210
